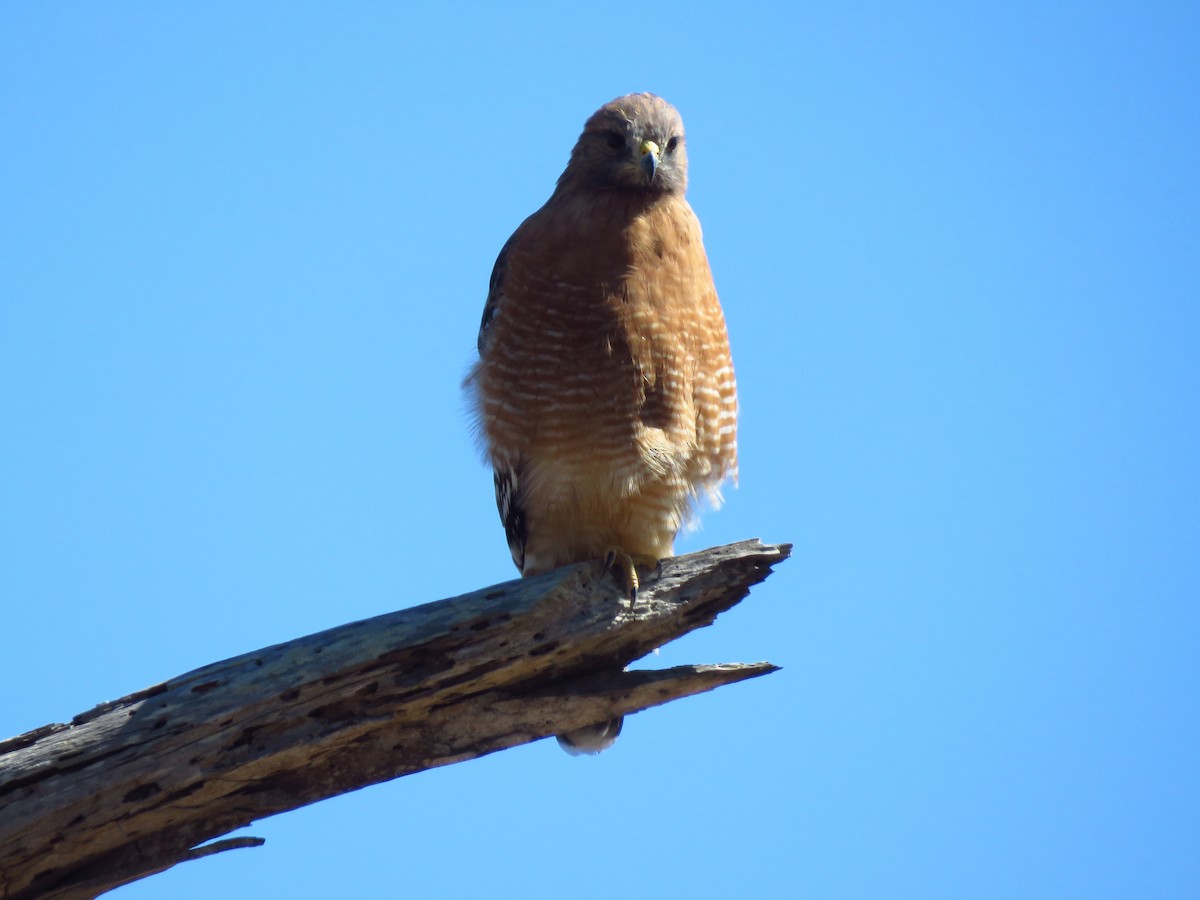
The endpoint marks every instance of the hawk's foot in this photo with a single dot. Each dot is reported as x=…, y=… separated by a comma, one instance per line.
x=624, y=567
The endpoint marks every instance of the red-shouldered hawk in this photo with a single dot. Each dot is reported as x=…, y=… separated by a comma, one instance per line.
x=604, y=389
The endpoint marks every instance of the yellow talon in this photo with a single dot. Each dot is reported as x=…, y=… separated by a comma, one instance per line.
x=624, y=568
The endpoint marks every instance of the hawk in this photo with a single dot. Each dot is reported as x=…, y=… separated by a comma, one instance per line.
x=604, y=391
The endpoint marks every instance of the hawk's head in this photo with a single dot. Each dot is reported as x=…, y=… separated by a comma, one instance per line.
x=632, y=143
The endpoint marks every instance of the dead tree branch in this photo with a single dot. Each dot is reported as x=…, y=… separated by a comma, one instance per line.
x=139, y=784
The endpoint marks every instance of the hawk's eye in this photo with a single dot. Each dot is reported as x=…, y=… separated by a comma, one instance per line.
x=615, y=139
x=672, y=144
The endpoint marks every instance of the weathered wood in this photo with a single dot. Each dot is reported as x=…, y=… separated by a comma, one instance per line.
x=136, y=785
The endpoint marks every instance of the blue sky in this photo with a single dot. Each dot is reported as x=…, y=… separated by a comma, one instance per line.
x=245, y=247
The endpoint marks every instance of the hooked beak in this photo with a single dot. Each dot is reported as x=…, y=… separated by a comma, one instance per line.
x=649, y=161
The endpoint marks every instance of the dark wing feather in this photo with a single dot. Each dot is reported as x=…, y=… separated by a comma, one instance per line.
x=512, y=511
x=495, y=288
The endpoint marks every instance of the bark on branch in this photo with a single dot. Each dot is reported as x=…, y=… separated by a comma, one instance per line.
x=137, y=785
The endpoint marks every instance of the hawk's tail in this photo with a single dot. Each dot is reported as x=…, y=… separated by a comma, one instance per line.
x=593, y=739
